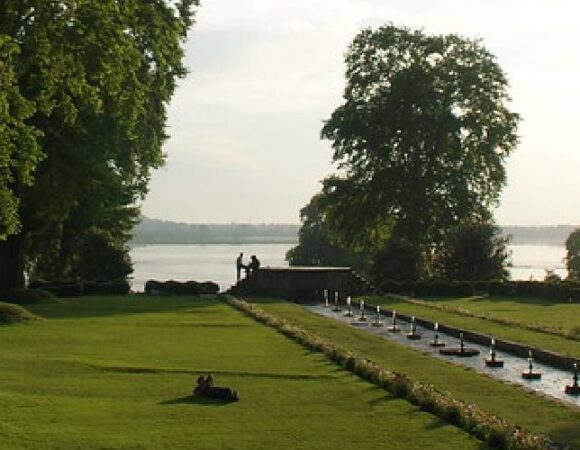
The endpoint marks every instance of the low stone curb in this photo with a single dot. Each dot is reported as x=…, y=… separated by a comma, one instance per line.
x=513, y=348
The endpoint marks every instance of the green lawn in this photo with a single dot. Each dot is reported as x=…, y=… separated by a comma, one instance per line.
x=532, y=311
x=115, y=373
x=564, y=314
x=538, y=414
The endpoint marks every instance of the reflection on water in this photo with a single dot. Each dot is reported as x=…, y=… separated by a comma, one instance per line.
x=216, y=262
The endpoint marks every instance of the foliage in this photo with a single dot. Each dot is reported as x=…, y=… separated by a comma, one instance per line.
x=101, y=258
x=396, y=260
x=26, y=296
x=10, y=314
x=315, y=247
x=19, y=150
x=468, y=417
x=573, y=255
x=421, y=137
x=153, y=287
x=551, y=276
x=94, y=80
x=473, y=251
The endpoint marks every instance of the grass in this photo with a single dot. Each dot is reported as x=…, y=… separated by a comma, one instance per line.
x=564, y=317
x=115, y=373
x=13, y=314
x=537, y=414
x=566, y=314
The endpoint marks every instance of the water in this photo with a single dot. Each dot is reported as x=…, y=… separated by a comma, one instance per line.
x=533, y=260
x=216, y=262
x=209, y=262
x=552, y=382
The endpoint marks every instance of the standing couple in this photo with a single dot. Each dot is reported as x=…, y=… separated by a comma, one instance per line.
x=251, y=268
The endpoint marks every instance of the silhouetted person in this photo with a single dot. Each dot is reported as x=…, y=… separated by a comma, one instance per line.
x=239, y=266
x=205, y=388
x=254, y=266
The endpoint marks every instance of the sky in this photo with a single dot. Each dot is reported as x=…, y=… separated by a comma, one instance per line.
x=264, y=74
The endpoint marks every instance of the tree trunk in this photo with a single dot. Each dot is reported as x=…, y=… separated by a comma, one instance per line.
x=12, y=262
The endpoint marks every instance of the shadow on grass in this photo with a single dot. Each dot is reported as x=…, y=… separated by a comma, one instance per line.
x=533, y=301
x=105, y=306
x=195, y=400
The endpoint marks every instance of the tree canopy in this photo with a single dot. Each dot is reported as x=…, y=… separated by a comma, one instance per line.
x=315, y=247
x=474, y=251
x=420, y=140
x=87, y=85
x=573, y=255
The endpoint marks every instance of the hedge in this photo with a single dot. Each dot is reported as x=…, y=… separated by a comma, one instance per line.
x=497, y=432
x=558, y=291
x=153, y=287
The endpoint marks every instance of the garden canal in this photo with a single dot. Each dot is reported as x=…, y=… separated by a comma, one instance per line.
x=552, y=382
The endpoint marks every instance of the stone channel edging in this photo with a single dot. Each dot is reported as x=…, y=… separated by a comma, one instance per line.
x=513, y=348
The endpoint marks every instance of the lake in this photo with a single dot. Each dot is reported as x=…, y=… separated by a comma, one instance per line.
x=216, y=262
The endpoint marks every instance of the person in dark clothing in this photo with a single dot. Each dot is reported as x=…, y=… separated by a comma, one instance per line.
x=239, y=266
x=254, y=266
x=205, y=388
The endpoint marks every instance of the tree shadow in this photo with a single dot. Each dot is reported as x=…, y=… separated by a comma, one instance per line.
x=196, y=400
x=126, y=305
x=532, y=301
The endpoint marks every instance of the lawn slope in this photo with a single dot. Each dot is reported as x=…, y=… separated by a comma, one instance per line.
x=116, y=372
x=537, y=414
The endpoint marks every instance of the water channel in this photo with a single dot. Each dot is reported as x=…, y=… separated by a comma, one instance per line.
x=551, y=384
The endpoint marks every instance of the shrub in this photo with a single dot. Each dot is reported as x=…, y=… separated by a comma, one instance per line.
x=396, y=260
x=10, y=314
x=397, y=286
x=22, y=296
x=436, y=288
x=574, y=294
x=442, y=404
x=102, y=258
x=153, y=287
x=473, y=251
x=121, y=287
x=500, y=289
x=60, y=288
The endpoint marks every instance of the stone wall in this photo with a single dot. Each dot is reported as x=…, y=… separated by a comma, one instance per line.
x=303, y=283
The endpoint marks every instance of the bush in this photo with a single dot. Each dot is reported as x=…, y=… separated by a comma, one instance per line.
x=22, y=296
x=105, y=288
x=60, y=288
x=153, y=287
x=10, y=313
x=397, y=286
x=396, y=260
x=443, y=288
x=103, y=259
x=501, y=289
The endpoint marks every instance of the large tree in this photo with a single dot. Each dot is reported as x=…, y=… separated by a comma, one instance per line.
x=474, y=251
x=89, y=82
x=315, y=247
x=420, y=140
x=573, y=255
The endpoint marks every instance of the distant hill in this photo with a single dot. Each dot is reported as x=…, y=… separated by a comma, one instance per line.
x=154, y=231
x=538, y=235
